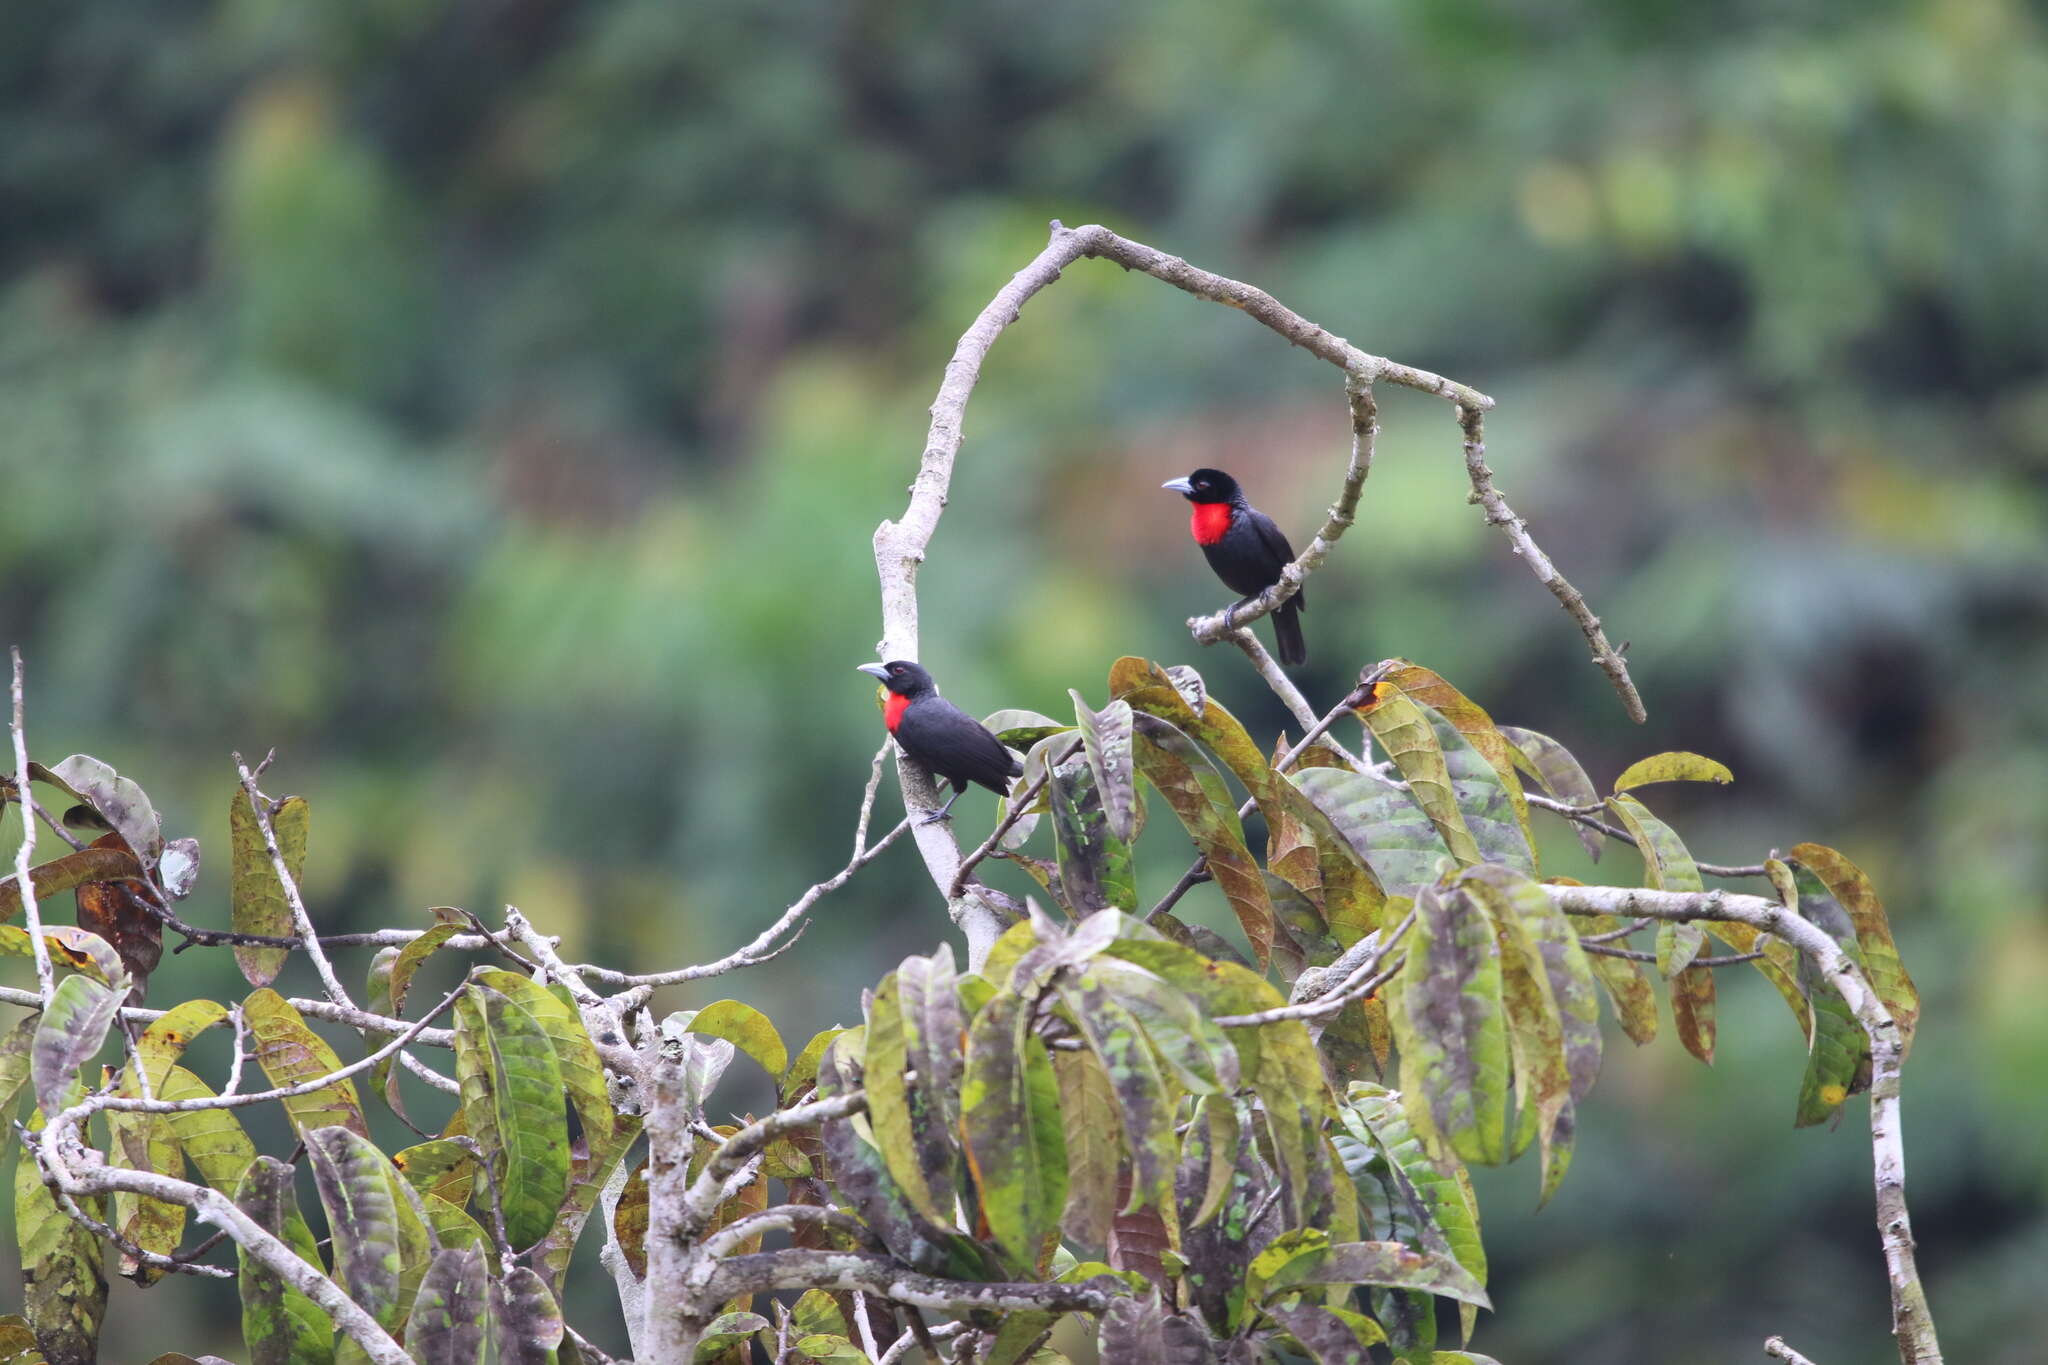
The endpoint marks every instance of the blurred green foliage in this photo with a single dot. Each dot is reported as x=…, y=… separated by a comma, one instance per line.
x=488, y=404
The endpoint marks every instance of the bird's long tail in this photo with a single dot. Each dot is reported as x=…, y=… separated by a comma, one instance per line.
x=1287, y=635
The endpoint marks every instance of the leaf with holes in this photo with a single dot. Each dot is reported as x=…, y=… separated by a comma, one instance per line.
x=256, y=896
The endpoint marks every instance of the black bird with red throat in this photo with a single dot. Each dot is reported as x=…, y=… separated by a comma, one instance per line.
x=1245, y=548
x=952, y=745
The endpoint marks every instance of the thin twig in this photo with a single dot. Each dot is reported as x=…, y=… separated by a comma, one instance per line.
x=1776, y=1349
x=1472, y=421
x=1591, y=821
x=24, y=854
x=759, y=950
x=302, y=919
x=1358, y=982
x=1638, y=955
x=1020, y=805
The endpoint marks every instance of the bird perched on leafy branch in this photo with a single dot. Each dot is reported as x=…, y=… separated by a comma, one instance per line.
x=952, y=745
x=1245, y=548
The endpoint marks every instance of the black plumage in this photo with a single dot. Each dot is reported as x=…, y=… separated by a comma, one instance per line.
x=1246, y=550
x=952, y=745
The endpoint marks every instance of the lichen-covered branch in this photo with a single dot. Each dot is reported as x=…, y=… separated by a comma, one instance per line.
x=1912, y=1324
x=24, y=854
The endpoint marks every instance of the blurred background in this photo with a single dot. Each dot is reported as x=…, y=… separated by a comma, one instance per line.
x=487, y=401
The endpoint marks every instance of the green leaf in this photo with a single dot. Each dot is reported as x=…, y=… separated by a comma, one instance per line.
x=14, y=1068
x=1880, y=956
x=257, y=900
x=1837, y=1057
x=1194, y=1048
x=726, y=1332
x=804, y=1069
x=1191, y=786
x=149, y=1142
x=1119, y=1043
x=64, y=1293
x=1675, y=766
x=1388, y=830
x=290, y=1053
x=1096, y=870
x=1430, y=1203
x=1667, y=866
x=1211, y=1146
x=438, y=1166
x=747, y=1029
x=75, y=869
x=451, y=1317
x=1009, y=1104
x=1552, y=765
x=1536, y=1042
x=512, y=1101
x=1405, y=731
x=79, y=949
x=629, y=1220
x=1106, y=741
x=1450, y=1024
x=934, y=1025
x=582, y=1069
x=815, y=1313
x=1635, y=1003
x=381, y=1247
x=212, y=1138
x=17, y=1338
x=1088, y=1114
x=1564, y=963
x=1692, y=1010
x=1386, y=1264
x=1470, y=720
x=890, y=1113
x=448, y=922
x=280, y=1325
x=1019, y=729
x=71, y=1033
x=1330, y=1336
x=526, y=1320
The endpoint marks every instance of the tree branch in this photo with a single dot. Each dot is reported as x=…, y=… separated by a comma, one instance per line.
x=764, y=1271
x=1911, y=1323
x=24, y=853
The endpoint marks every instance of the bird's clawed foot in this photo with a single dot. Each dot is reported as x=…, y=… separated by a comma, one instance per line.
x=933, y=817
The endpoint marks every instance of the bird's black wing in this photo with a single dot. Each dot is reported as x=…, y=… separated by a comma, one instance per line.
x=1275, y=542
x=955, y=745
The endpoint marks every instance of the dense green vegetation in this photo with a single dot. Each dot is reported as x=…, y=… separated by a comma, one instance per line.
x=489, y=406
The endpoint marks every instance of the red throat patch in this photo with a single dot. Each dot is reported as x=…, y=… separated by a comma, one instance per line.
x=1209, y=521
x=893, y=709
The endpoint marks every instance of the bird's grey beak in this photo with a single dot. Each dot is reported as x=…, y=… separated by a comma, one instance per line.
x=879, y=672
x=1181, y=486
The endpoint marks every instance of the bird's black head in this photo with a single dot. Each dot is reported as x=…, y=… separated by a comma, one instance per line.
x=1205, y=485
x=901, y=677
